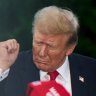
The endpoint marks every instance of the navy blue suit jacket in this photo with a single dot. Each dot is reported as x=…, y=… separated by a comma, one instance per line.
x=24, y=71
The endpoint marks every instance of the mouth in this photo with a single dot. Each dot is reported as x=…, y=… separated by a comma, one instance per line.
x=41, y=61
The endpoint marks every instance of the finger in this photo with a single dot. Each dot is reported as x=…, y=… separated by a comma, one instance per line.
x=14, y=44
x=17, y=49
x=11, y=45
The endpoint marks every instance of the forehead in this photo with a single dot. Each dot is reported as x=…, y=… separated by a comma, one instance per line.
x=50, y=37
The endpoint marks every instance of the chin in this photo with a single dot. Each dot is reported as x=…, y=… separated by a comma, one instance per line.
x=42, y=67
x=45, y=69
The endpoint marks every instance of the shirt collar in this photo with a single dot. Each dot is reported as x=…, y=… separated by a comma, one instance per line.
x=64, y=69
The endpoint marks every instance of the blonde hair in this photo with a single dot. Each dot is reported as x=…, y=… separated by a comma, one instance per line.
x=55, y=20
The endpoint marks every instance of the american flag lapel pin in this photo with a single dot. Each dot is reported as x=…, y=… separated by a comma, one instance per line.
x=81, y=78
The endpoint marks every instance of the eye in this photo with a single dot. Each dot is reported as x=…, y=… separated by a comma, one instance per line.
x=37, y=43
x=51, y=46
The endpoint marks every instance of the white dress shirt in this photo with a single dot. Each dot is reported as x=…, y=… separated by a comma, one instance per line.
x=4, y=74
x=63, y=78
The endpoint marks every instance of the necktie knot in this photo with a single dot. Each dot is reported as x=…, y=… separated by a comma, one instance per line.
x=53, y=75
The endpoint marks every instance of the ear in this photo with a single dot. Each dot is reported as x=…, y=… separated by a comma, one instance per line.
x=70, y=49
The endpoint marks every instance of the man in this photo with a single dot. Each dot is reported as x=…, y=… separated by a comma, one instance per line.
x=54, y=40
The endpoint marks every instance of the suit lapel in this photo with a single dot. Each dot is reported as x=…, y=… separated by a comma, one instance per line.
x=78, y=78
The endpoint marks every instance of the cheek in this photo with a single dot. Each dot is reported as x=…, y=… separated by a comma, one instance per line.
x=53, y=56
x=35, y=53
x=56, y=56
x=35, y=49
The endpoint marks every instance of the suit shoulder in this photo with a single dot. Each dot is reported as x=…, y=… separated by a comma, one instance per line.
x=84, y=61
x=25, y=53
x=24, y=58
x=82, y=58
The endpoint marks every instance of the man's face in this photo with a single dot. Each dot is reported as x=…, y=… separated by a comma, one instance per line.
x=49, y=51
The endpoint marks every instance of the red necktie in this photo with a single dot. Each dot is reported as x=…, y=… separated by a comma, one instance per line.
x=53, y=75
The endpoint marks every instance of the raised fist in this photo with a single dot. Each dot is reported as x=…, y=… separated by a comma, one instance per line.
x=8, y=53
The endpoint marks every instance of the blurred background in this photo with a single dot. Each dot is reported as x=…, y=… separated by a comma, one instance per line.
x=16, y=18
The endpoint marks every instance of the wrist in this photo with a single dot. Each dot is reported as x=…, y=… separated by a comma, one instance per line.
x=3, y=66
x=1, y=70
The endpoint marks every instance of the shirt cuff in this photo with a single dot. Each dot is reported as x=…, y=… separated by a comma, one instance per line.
x=4, y=74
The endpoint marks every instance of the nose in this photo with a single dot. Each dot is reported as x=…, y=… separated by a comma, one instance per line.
x=43, y=51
